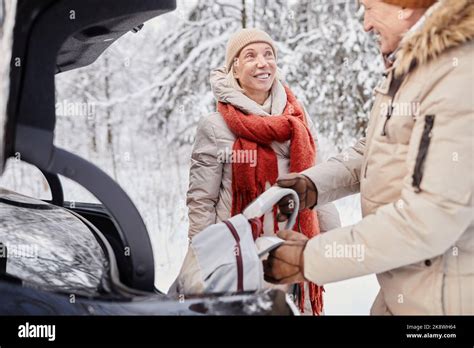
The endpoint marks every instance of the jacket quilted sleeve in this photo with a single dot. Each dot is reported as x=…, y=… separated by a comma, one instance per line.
x=339, y=176
x=205, y=178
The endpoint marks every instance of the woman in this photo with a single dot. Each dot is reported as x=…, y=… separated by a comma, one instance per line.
x=259, y=132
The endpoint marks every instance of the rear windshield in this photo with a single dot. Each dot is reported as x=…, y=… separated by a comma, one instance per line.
x=49, y=248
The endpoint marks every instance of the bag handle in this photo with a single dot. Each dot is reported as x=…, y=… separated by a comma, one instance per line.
x=265, y=202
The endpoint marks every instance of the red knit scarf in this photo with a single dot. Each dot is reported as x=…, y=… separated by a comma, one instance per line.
x=256, y=133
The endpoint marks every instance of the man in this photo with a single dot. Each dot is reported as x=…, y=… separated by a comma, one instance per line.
x=413, y=170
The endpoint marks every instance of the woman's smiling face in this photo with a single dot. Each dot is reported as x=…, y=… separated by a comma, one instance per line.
x=255, y=69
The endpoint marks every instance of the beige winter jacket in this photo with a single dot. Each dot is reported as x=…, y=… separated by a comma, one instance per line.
x=209, y=198
x=416, y=181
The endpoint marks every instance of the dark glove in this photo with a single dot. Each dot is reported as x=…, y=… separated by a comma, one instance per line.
x=285, y=264
x=304, y=187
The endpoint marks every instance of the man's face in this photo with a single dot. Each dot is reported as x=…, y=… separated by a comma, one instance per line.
x=387, y=21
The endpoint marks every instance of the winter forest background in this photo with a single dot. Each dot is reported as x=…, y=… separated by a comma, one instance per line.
x=134, y=111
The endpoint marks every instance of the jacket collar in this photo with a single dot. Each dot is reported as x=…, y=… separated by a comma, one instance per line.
x=448, y=25
x=384, y=84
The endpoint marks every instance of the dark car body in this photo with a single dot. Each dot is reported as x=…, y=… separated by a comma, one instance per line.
x=67, y=259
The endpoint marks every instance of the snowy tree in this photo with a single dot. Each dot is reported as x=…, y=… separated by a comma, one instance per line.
x=325, y=56
x=333, y=67
x=180, y=92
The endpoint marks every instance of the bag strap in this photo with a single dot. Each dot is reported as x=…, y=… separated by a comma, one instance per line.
x=257, y=228
x=238, y=256
x=265, y=202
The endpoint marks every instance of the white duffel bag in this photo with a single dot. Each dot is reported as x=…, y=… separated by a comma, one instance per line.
x=225, y=257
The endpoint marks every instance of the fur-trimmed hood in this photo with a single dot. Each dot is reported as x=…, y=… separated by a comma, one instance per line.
x=450, y=25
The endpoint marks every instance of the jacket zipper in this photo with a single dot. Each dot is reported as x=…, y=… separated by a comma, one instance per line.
x=371, y=130
x=422, y=152
x=387, y=118
x=395, y=85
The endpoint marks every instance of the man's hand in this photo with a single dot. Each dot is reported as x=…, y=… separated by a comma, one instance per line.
x=305, y=189
x=285, y=264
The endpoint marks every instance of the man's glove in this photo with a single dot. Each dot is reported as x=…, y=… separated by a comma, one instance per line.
x=304, y=187
x=285, y=264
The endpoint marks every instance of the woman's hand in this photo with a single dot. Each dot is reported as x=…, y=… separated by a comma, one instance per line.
x=303, y=186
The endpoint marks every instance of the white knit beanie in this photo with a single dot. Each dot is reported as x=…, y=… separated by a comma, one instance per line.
x=243, y=38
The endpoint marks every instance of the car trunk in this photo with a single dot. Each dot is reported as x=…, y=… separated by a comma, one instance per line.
x=52, y=36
